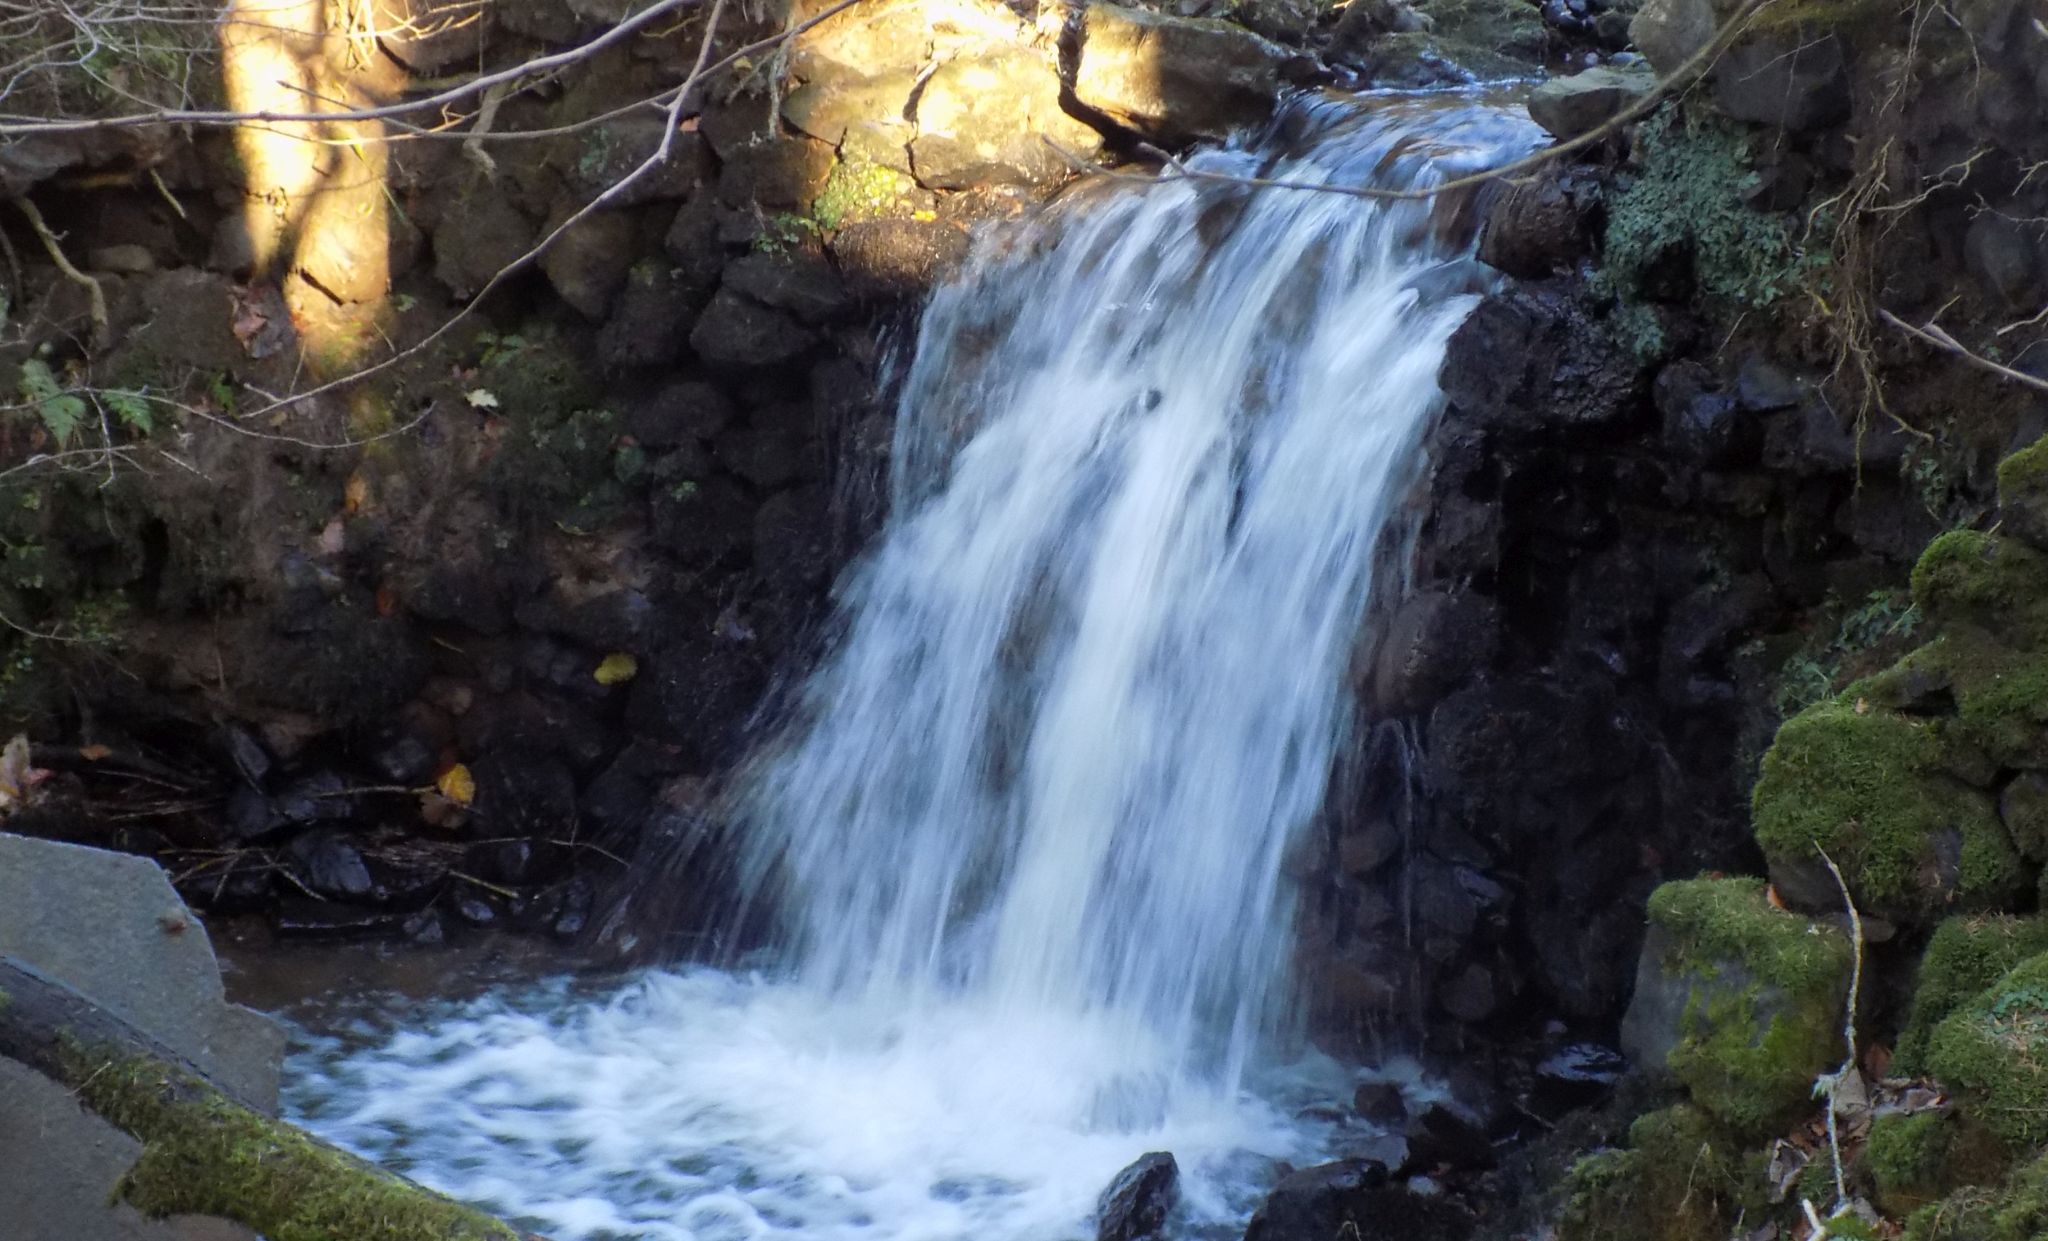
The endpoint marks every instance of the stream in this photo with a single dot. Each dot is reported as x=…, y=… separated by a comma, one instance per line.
x=1024, y=832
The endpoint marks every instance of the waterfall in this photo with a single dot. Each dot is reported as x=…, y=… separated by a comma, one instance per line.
x=1027, y=825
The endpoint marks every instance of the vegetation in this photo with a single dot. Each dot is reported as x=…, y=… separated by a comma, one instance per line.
x=1764, y=1005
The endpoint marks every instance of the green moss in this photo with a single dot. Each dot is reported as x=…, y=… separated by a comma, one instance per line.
x=1994, y=1054
x=1764, y=1008
x=2023, y=477
x=1966, y=955
x=1687, y=206
x=1997, y=584
x=1681, y=1179
x=1871, y=789
x=205, y=1155
x=857, y=190
x=1918, y=1159
x=2016, y=1210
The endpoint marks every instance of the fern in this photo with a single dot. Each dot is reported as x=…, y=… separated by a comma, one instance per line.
x=61, y=411
x=132, y=408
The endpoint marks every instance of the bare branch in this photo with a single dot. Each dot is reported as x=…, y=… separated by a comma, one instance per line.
x=56, y=251
x=1938, y=336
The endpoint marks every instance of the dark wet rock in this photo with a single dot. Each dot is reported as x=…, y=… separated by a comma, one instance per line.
x=2007, y=253
x=425, y=928
x=329, y=865
x=493, y=234
x=529, y=795
x=1567, y=107
x=651, y=316
x=886, y=260
x=801, y=282
x=402, y=756
x=572, y=916
x=475, y=910
x=794, y=538
x=774, y=455
x=1286, y=22
x=588, y=264
x=1174, y=79
x=601, y=157
x=1530, y=358
x=1470, y=996
x=738, y=332
x=1538, y=227
x=1576, y=1075
x=701, y=522
x=1135, y=1205
x=1380, y=1103
x=1702, y=423
x=984, y=120
x=776, y=174
x=515, y=863
x=1796, y=81
x=245, y=753
x=1433, y=643
x=1317, y=1203
x=1441, y=1136
x=314, y=796
x=693, y=695
x=679, y=412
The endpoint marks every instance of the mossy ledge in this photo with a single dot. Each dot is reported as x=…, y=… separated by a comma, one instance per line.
x=205, y=1153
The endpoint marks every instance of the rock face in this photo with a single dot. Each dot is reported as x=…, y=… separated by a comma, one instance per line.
x=1135, y=1205
x=1353, y=1194
x=991, y=120
x=1170, y=79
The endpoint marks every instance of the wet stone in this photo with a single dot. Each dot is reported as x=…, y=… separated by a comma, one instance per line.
x=1137, y=1202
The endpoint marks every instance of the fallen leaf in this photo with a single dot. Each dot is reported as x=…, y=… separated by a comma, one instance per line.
x=1771, y=896
x=387, y=601
x=481, y=398
x=355, y=494
x=93, y=753
x=457, y=785
x=332, y=538
x=616, y=668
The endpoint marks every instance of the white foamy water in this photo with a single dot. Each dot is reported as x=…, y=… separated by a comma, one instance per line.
x=1025, y=831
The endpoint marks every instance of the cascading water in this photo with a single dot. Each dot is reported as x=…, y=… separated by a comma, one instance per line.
x=1027, y=826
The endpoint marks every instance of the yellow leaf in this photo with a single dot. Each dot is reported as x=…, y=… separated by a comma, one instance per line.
x=355, y=494
x=616, y=667
x=93, y=753
x=457, y=785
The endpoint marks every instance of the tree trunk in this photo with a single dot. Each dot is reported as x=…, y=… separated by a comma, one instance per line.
x=205, y=1152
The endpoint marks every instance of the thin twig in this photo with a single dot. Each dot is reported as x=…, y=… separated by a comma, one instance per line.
x=1832, y=1083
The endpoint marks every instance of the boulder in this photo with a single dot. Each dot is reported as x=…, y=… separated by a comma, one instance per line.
x=1531, y=358
x=1671, y=32
x=1135, y=1205
x=1432, y=643
x=886, y=260
x=2023, y=494
x=1743, y=1002
x=1539, y=226
x=1581, y=103
x=737, y=331
x=1796, y=80
x=587, y=265
x=1966, y=955
x=1174, y=79
x=1353, y=1197
x=1993, y=1053
x=986, y=120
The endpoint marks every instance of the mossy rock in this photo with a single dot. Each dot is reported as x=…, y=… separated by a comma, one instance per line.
x=1919, y=1159
x=1993, y=1053
x=1681, y=1179
x=1873, y=790
x=1763, y=999
x=1997, y=584
x=2016, y=1210
x=1966, y=955
x=2023, y=493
